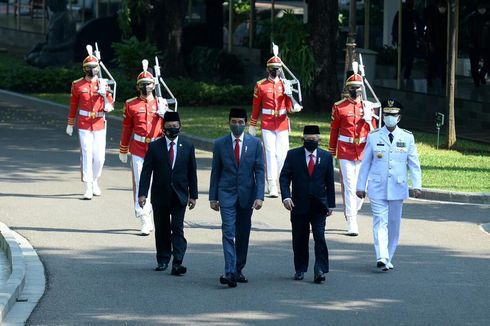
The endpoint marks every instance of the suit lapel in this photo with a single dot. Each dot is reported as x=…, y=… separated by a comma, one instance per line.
x=303, y=161
x=179, y=148
x=230, y=149
x=384, y=136
x=317, y=162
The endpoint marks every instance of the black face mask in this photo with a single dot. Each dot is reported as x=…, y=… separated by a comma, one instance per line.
x=145, y=89
x=355, y=92
x=237, y=130
x=274, y=73
x=310, y=145
x=171, y=133
x=91, y=72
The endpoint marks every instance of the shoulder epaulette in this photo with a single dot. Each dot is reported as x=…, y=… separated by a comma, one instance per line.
x=261, y=81
x=131, y=99
x=373, y=131
x=407, y=131
x=76, y=81
x=339, y=102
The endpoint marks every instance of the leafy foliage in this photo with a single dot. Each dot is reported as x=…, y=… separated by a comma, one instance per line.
x=19, y=77
x=215, y=65
x=292, y=37
x=130, y=52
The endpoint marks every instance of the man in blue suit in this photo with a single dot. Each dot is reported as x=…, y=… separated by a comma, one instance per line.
x=236, y=188
x=309, y=170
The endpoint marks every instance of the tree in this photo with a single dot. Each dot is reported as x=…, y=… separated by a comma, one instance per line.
x=323, y=21
x=160, y=22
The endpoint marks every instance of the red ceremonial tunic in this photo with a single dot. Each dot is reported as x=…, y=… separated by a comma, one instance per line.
x=141, y=125
x=272, y=104
x=89, y=104
x=347, y=121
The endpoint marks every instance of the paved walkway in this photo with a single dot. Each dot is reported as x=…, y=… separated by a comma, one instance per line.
x=99, y=271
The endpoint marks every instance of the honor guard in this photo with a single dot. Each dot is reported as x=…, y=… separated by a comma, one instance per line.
x=272, y=103
x=141, y=125
x=390, y=152
x=348, y=133
x=90, y=103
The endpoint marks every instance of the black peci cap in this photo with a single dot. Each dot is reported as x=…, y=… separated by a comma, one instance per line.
x=238, y=113
x=171, y=116
x=311, y=130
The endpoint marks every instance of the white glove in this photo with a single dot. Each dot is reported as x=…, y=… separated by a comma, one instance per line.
x=288, y=90
x=102, y=86
x=108, y=108
x=252, y=131
x=162, y=106
x=296, y=108
x=69, y=130
x=123, y=157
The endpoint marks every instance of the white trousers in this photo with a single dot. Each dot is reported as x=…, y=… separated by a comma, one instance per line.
x=276, y=145
x=92, y=153
x=136, y=166
x=387, y=215
x=350, y=171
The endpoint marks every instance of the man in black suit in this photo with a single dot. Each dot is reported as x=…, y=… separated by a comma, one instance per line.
x=172, y=162
x=310, y=171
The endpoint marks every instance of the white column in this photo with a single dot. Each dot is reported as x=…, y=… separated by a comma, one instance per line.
x=389, y=12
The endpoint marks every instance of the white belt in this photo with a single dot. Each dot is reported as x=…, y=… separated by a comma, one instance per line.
x=273, y=112
x=91, y=114
x=351, y=140
x=143, y=139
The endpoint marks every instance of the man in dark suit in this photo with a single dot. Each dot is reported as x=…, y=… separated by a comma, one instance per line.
x=172, y=162
x=236, y=188
x=310, y=171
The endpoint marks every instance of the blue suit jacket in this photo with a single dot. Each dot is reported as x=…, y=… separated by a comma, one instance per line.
x=319, y=187
x=231, y=184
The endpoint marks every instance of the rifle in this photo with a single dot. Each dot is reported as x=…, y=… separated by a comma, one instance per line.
x=103, y=82
x=162, y=102
x=368, y=105
x=290, y=85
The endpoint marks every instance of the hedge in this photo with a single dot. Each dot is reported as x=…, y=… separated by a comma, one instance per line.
x=20, y=77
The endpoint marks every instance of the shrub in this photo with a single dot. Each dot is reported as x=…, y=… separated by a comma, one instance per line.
x=215, y=65
x=19, y=77
x=130, y=52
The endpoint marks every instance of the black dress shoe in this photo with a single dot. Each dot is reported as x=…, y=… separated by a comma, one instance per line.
x=241, y=278
x=299, y=276
x=228, y=279
x=161, y=267
x=178, y=270
x=319, y=278
x=382, y=266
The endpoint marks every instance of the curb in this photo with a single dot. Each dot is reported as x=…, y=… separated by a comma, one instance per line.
x=27, y=283
x=206, y=144
x=11, y=290
x=485, y=228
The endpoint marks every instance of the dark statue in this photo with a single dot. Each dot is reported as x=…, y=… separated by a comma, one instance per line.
x=58, y=47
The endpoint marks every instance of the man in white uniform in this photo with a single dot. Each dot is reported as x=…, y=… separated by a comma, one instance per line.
x=390, y=152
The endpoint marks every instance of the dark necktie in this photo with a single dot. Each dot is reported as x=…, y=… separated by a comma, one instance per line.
x=311, y=165
x=390, y=135
x=171, y=154
x=237, y=151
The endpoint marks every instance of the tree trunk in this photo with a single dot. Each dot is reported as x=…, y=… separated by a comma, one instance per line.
x=323, y=21
x=453, y=10
x=165, y=20
x=214, y=21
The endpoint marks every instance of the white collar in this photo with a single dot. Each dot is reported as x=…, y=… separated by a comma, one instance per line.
x=233, y=137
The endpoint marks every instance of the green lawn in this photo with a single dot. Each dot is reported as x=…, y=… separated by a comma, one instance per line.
x=464, y=169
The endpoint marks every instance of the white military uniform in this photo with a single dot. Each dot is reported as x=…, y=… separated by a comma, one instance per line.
x=384, y=169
